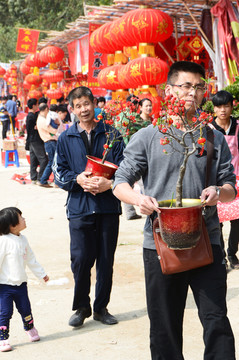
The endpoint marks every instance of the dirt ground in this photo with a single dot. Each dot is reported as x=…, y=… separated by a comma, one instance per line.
x=47, y=232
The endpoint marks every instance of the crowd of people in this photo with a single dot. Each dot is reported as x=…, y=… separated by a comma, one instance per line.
x=94, y=206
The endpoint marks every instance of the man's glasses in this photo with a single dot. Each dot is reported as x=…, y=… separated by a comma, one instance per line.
x=187, y=87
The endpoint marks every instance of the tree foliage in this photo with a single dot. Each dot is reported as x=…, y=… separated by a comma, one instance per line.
x=36, y=14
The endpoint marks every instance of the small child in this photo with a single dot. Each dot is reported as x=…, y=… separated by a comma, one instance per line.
x=15, y=254
x=52, y=117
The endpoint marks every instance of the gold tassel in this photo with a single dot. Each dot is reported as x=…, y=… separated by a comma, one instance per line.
x=147, y=49
x=120, y=58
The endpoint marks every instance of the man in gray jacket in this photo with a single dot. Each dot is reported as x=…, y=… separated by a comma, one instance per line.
x=166, y=294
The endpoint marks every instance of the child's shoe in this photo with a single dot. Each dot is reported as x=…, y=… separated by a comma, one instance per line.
x=5, y=346
x=33, y=334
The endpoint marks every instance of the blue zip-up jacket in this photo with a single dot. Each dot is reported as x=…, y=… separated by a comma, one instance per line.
x=70, y=160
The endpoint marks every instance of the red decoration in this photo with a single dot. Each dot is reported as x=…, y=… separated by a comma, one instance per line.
x=33, y=79
x=27, y=41
x=51, y=54
x=34, y=60
x=108, y=77
x=142, y=26
x=101, y=40
x=35, y=94
x=146, y=71
x=24, y=68
x=54, y=93
x=53, y=76
x=2, y=71
x=195, y=45
x=26, y=85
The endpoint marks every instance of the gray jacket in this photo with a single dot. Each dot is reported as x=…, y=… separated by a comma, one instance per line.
x=144, y=157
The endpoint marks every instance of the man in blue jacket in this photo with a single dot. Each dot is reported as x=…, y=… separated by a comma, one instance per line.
x=92, y=209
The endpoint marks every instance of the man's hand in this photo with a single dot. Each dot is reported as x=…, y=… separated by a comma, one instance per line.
x=147, y=205
x=93, y=184
x=209, y=196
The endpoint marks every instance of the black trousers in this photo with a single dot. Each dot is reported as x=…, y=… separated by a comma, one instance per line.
x=37, y=157
x=93, y=238
x=4, y=128
x=166, y=299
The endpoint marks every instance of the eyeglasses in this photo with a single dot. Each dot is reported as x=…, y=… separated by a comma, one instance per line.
x=187, y=87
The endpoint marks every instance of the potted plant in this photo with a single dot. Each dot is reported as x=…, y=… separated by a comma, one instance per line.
x=123, y=121
x=177, y=231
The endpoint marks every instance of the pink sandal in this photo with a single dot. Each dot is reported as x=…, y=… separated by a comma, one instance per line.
x=33, y=334
x=5, y=346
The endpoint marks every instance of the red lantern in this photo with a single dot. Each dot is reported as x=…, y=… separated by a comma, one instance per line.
x=54, y=93
x=143, y=26
x=2, y=71
x=146, y=71
x=108, y=77
x=51, y=54
x=53, y=76
x=13, y=67
x=26, y=85
x=33, y=79
x=35, y=94
x=34, y=60
x=100, y=40
x=24, y=68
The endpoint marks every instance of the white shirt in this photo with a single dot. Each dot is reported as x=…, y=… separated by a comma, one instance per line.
x=15, y=254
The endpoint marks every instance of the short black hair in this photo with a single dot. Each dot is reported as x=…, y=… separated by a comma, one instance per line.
x=10, y=97
x=79, y=92
x=101, y=99
x=222, y=97
x=60, y=99
x=8, y=217
x=53, y=107
x=42, y=100
x=184, y=66
x=62, y=108
x=5, y=98
x=143, y=100
x=31, y=103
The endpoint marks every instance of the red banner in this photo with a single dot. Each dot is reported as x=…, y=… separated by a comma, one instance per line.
x=74, y=56
x=97, y=62
x=84, y=53
x=27, y=41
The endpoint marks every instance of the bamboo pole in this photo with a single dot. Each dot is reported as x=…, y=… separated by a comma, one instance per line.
x=198, y=26
x=166, y=52
x=176, y=36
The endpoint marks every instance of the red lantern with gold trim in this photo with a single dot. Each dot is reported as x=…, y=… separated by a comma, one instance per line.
x=53, y=76
x=146, y=71
x=108, y=77
x=100, y=40
x=54, y=94
x=35, y=94
x=51, y=54
x=2, y=71
x=33, y=60
x=24, y=68
x=33, y=79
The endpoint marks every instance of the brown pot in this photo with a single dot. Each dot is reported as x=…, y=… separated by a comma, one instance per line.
x=95, y=165
x=180, y=228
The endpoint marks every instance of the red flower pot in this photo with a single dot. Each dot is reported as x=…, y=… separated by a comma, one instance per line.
x=106, y=170
x=180, y=228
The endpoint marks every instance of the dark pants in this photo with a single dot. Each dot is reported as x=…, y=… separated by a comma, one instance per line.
x=166, y=299
x=50, y=148
x=233, y=239
x=19, y=295
x=4, y=128
x=37, y=157
x=93, y=238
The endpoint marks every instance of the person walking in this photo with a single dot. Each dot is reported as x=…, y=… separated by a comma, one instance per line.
x=34, y=143
x=4, y=117
x=166, y=294
x=92, y=210
x=229, y=127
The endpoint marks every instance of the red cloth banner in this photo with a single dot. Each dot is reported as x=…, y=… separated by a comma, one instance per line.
x=74, y=56
x=97, y=62
x=27, y=41
x=84, y=53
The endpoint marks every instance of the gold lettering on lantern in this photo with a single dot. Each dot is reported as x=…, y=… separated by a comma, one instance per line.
x=154, y=70
x=134, y=70
x=162, y=27
x=111, y=77
x=140, y=24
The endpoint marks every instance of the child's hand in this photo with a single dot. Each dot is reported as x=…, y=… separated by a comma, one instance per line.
x=46, y=278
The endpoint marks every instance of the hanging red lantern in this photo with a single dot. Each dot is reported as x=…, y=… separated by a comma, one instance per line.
x=108, y=77
x=2, y=71
x=143, y=26
x=26, y=85
x=100, y=40
x=146, y=71
x=53, y=76
x=33, y=79
x=35, y=94
x=51, y=54
x=54, y=94
x=33, y=60
x=24, y=68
